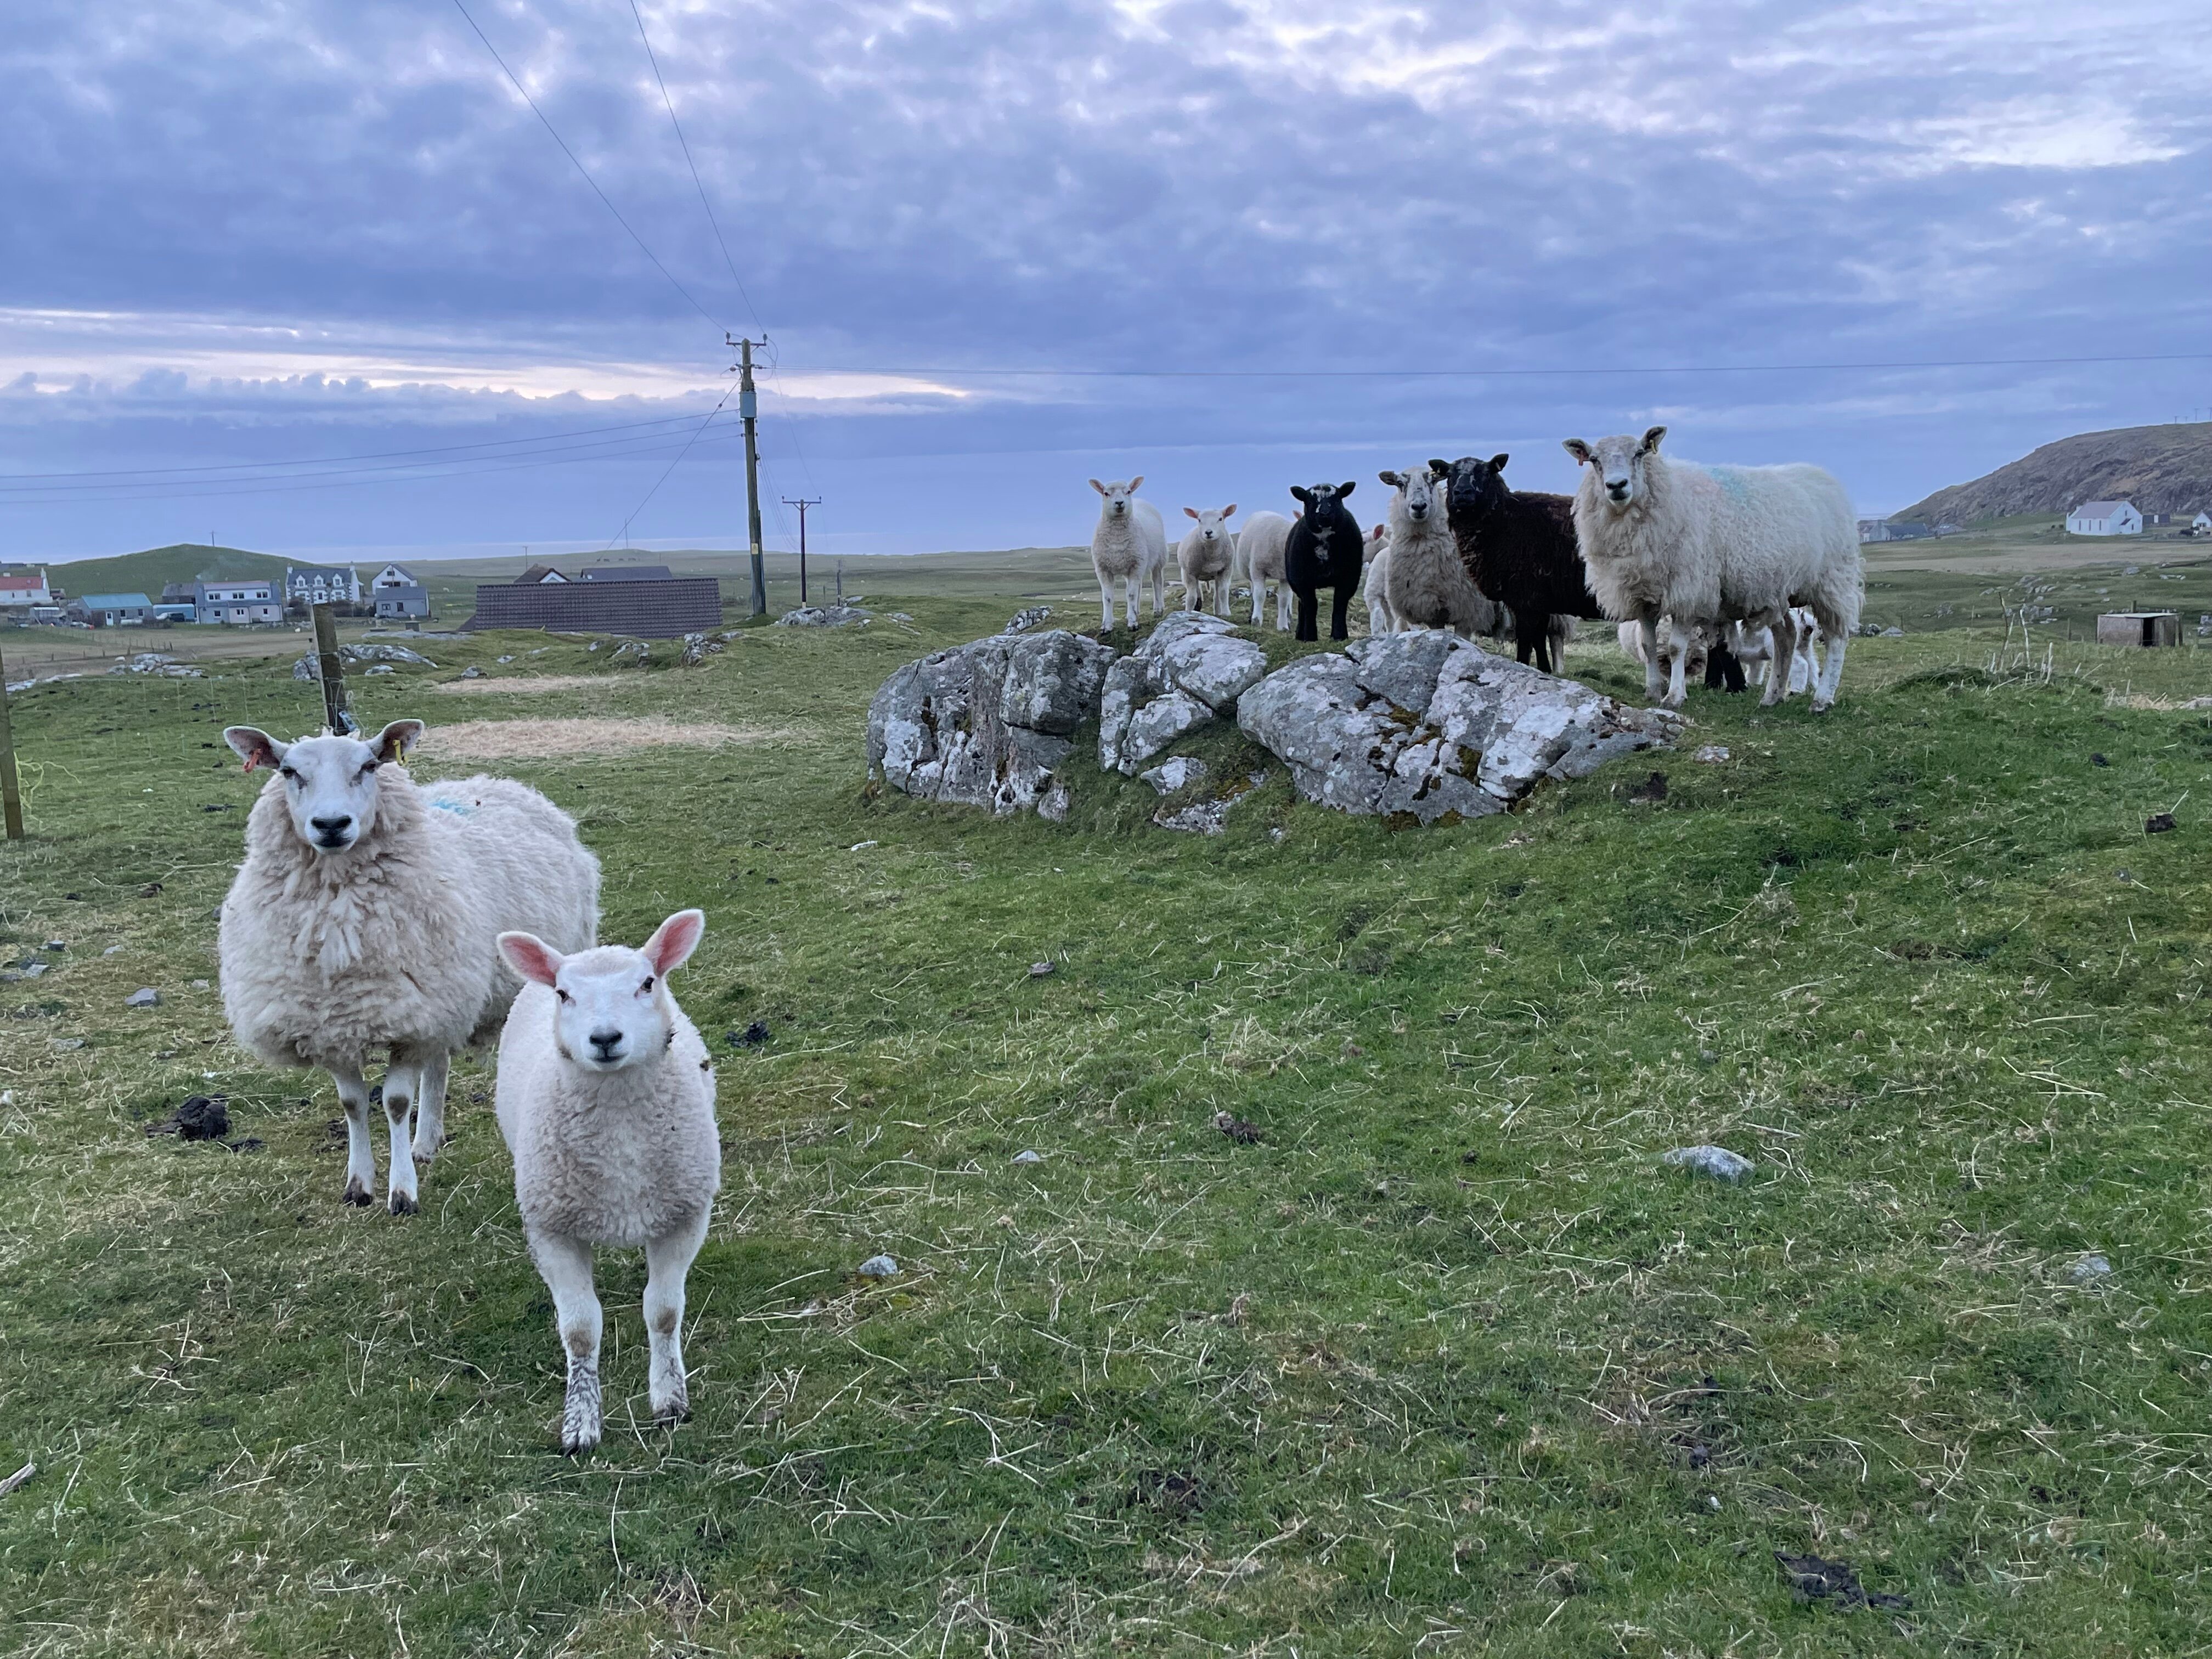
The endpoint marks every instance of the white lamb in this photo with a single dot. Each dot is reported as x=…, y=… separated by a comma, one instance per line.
x=1130, y=546
x=1207, y=559
x=1375, y=586
x=364, y=920
x=606, y=1098
x=1718, y=544
x=1262, y=548
x=1426, y=585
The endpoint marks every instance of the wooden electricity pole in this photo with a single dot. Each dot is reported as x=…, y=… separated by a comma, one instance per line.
x=802, y=504
x=336, y=716
x=11, y=798
x=749, y=414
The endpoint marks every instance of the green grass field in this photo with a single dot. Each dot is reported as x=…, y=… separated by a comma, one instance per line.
x=1445, y=1362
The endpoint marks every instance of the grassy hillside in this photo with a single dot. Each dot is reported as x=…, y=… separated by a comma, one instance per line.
x=2166, y=468
x=145, y=573
x=1444, y=1362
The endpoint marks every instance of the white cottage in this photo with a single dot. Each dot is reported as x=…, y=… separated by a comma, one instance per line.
x=2104, y=519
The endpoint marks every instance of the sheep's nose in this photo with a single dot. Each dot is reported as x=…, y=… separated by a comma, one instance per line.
x=606, y=1043
x=331, y=828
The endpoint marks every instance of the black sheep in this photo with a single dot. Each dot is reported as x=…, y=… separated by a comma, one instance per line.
x=1519, y=547
x=1325, y=550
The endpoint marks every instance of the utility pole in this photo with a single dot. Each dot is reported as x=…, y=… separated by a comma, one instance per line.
x=802, y=504
x=337, y=712
x=11, y=799
x=749, y=413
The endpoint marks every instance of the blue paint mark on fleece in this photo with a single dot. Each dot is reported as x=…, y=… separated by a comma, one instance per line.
x=1731, y=481
x=459, y=809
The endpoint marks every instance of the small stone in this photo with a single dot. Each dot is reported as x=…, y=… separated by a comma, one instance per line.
x=1242, y=1131
x=472, y=672
x=1178, y=774
x=1028, y=1158
x=1718, y=1162
x=199, y=985
x=32, y=970
x=2098, y=760
x=2158, y=823
x=878, y=1267
x=2124, y=876
x=112, y=951
x=508, y=658
x=1712, y=754
x=862, y=845
x=145, y=997
x=69, y=1045
x=56, y=944
x=1040, y=969
x=153, y=888
x=2089, y=1269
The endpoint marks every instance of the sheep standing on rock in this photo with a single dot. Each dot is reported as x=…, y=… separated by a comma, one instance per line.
x=364, y=920
x=1375, y=587
x=1518, y=546
x=606, y=1098
x=1426, y=586
x=1261, y=547
x=1130, y=546
x=1324, y=550
x=1718, y=544
x=1207, y=559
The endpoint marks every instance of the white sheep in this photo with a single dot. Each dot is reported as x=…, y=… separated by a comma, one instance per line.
x=1375, y=586
x=1129, y=545
x=606, y=1098
x=1207, y=559
x=1718, y=544
x=1262, y=550
x=364, y=917
x=1425, y=584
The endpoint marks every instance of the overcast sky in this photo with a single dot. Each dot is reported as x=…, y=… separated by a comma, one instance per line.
x=246, y=234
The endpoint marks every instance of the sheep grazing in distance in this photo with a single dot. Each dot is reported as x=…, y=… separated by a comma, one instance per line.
x=606, y=1098
x=1426, y=586
x=1130, y=546
x=1261, y=547
x=1518, y=546
x=1324, y=550
x=1718, y=544
x=364, y=920
x=1207, y=559
x=1375, y=587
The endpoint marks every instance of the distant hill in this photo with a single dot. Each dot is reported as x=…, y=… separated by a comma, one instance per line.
x=145, y=573
x=2162, y=469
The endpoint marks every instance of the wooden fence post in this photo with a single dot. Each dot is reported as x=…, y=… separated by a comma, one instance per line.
x=336, y=715
x=11, y=798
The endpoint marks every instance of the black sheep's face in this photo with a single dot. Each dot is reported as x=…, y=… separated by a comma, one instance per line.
x=1476, y=487
x=1320, y=499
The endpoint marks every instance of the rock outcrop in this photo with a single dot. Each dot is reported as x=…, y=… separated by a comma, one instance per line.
x=1425, y=723
x=1190, y=669
x=989, y=723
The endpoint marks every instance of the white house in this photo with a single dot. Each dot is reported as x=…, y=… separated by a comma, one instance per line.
x=2201, y=524
x=397, y=591
x=22, y=590
x=316, y=584
x=2104, y=519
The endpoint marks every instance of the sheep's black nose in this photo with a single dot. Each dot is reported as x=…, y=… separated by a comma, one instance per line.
x=606, y=1043
x=336, y=826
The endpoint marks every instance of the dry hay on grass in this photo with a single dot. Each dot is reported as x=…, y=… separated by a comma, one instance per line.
x=528, y=684
x=487, y=740
x=2156, y=705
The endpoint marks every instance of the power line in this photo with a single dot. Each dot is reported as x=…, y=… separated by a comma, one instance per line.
x=700, y=184
x=950, y=373
x=663, y=478
x=581, y=169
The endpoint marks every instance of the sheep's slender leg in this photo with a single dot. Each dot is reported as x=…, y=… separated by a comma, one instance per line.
x=1283, y=598
x=430, y=1107
x=1309, y=613
x=1339, y=613
x=1105, y=605
x=1784, y=635
x=1832, y=674
x=361, y=1148
x=667, y=1259
x=403, y=1195
x=1647, y=632
x=1677, y=691
x=565, y=1264
x=1160, y=590
x=1130, y=585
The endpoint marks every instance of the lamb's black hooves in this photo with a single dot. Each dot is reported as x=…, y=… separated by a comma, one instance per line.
x=356, y=1194
x=403, y=1205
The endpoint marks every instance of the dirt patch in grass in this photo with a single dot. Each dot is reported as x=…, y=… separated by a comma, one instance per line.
x=532, y=684
x=474, y=740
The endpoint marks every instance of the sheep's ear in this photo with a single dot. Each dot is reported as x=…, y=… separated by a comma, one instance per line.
x=1302, y=493
x=396, y=739
x=1578, y=449
x=1498, y=462
x=674, y=940
x=1393, y=479
x=1346, y=488
x=1100, y=488
x=1192, y=511
x=1444, y=467
x=1136, y=483
x=1651, y=439
x=1228, y=510
x=530, y=956
x=254, y=746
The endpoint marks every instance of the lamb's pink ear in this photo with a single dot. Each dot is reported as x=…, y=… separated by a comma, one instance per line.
x=1651, y=438
x=254, y=746
x=1578, y=449
x=530, y=956
x=1192, y=511
x=1229, y=511
x=674, y=940
x=396, y=739
x=1100, y=488
x=1136, y=483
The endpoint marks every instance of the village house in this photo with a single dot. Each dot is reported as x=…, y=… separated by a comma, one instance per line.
x=111, y=609
x=397, y=592
x=2104, y=519
x=318, y=583
x=238, y=601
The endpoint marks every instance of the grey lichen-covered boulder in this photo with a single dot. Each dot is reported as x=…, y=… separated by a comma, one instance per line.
x=1191, y=669
x=823, y=616
x=988, y=723
x=1427, y=724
